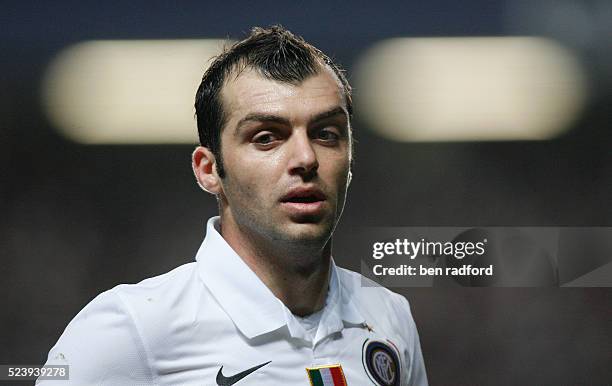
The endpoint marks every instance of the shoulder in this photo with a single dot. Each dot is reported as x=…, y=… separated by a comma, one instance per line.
x=114, y=330
x=369, y=293
x=102, y=336
x=118, y=307
x=375, y=302
x=156, y=289
x=155, y=304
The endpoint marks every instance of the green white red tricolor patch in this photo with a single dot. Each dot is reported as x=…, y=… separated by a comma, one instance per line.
x=326, y=376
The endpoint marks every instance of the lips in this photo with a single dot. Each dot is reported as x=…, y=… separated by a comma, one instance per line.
x=303, y=195
x=304, y=203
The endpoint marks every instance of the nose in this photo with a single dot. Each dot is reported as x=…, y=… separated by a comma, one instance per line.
x=303, y=158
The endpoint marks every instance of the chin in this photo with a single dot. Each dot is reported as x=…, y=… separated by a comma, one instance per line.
x=308, y=232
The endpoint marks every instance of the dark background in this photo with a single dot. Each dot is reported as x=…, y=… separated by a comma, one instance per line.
x=76, y=220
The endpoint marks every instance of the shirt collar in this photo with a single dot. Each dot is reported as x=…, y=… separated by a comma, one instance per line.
x=249, y=302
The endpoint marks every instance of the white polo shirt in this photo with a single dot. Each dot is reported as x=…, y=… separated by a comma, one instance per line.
x=180, y=328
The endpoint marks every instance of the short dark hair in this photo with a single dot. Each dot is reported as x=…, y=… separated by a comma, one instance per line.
x=276, y=54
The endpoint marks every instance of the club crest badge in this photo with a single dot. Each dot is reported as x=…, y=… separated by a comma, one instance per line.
x=381, y=362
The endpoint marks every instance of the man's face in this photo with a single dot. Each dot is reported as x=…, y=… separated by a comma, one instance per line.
x=286, y=151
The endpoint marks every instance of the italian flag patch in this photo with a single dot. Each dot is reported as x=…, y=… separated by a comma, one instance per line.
x=326, y=376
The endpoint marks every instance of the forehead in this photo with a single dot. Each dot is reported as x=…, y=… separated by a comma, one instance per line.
x=250, y=92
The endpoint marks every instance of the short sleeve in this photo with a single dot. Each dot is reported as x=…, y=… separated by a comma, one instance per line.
x=102, y=346
x=417, y=376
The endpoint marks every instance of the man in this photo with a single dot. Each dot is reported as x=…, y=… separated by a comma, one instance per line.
x=264, y=304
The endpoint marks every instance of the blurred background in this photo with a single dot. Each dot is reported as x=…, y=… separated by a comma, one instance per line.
x=475, y=113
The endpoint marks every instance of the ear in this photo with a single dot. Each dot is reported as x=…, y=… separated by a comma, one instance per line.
x=203, y=164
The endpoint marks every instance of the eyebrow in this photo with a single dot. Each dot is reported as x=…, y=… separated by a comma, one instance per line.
x=260, y=117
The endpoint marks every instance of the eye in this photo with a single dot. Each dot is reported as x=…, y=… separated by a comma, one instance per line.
x=327, y=135
x=264, y=138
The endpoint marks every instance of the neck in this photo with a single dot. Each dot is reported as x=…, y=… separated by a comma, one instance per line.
x=297, y=274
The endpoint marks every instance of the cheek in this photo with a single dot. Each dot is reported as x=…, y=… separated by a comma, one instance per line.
x=240, y=185
x=340, y=168
x=252, y=178
x=335, y=177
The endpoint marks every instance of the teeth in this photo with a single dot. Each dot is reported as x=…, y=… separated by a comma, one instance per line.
x=303, y=199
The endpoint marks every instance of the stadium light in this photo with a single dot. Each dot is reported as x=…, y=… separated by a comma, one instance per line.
x=119, y=92
x=469, y=89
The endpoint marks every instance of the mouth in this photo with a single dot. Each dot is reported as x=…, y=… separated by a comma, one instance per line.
x=304, y=201
x=304, y=196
